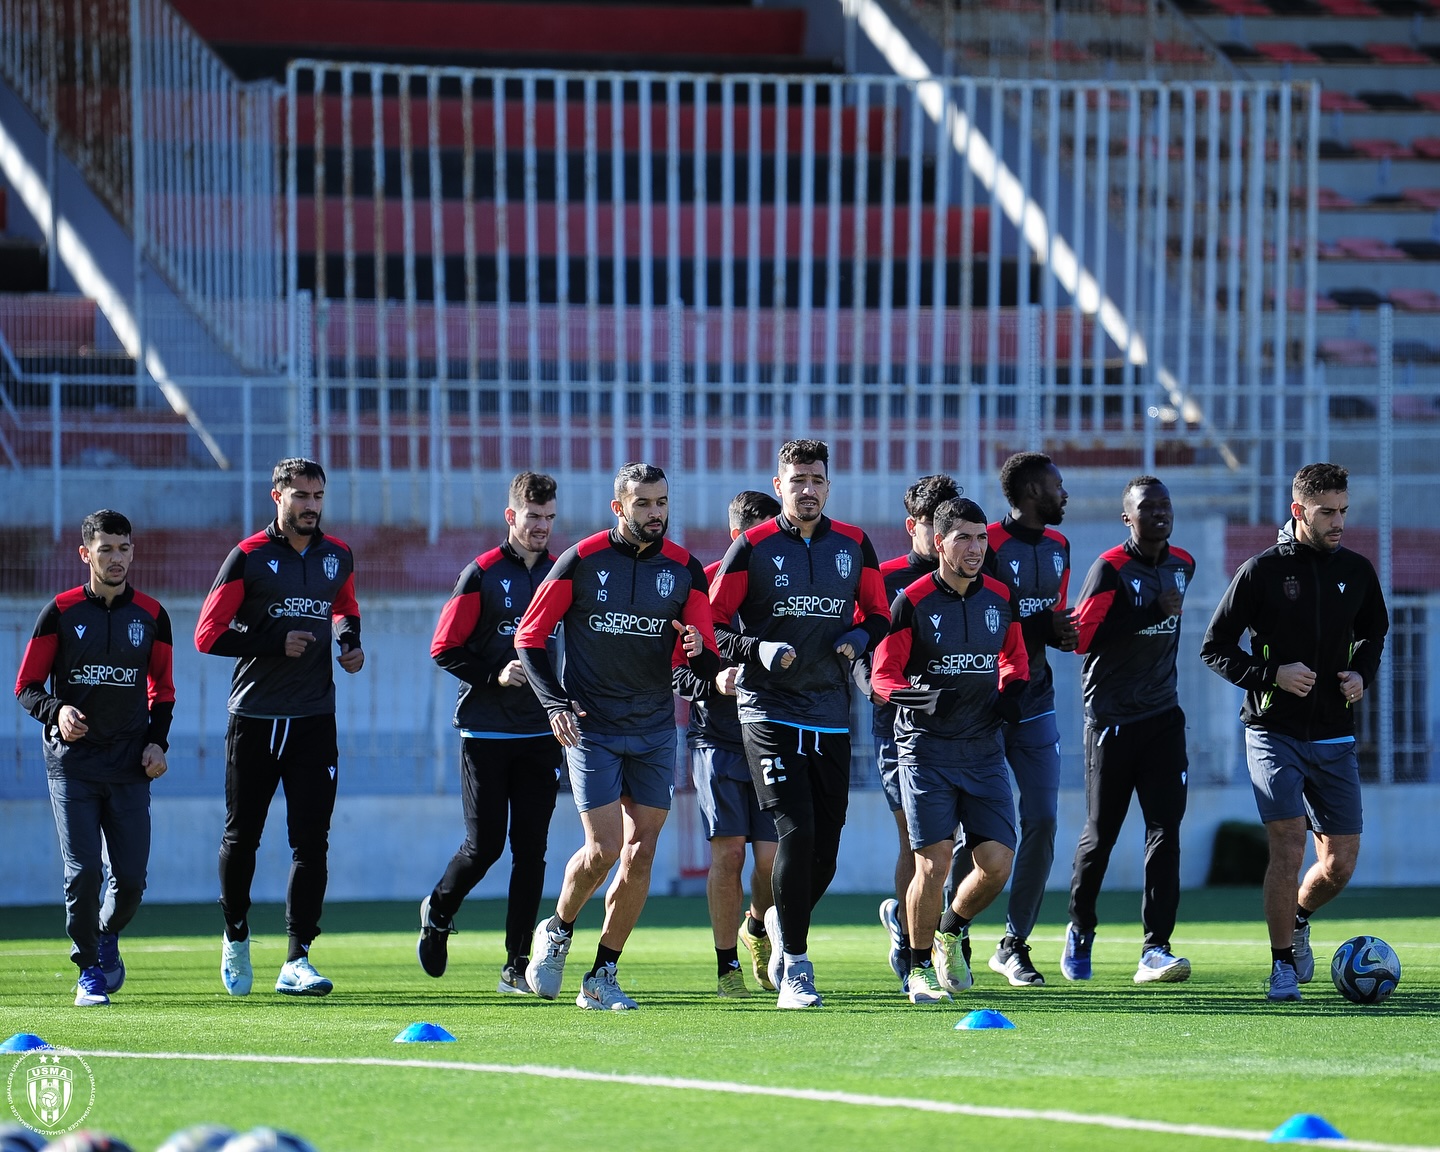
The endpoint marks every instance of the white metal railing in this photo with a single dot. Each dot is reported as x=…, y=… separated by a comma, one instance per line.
x=181, y=151
x=596, y=228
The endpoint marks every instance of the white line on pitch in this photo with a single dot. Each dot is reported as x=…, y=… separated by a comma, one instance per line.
x=856, y=1099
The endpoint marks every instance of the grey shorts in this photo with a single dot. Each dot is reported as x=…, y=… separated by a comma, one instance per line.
x=728, y=806
x=639, y=765
x=1303, y=778
x=887, y=759
x=966, y=785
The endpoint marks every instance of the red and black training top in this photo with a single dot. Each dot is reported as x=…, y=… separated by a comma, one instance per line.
x=1129, y=644
x=968, y=645
x=899, y=572
x=618, y=607
x=264, y=590
x=1035, y=563
x=475, y=638
x=115, y=664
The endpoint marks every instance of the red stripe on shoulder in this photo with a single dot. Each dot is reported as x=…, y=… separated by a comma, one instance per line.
x=762, y=531
x=674, y=551
x=486, y=559
x=257, y=541
x=1051, y=534
x=920, y=589
x=992, y=585
x=710, y=570
x=850, y=530
x=68, y=599
x=1184, y=555
x=1116, y=557
x=339, y=543
x=895, y=564
x=592, y=544
x=148, y=604
x=997, y=534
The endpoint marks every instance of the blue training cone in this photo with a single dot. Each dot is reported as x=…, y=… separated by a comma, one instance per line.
x=23, y=1042
x=984, y=1018
x=422, y=1032
x=1305, y=1126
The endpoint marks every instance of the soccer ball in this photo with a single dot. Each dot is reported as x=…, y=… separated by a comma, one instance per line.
x=267, y=1140
x=198, y=1138
x=88, y=1141
x=1365, y=969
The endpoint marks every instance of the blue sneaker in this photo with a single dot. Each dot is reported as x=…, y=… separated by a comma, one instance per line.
x=1284, y=986
x=890, y=917
x=107, y=944
x=1304, y=955
x=1075, y=959
x=90, y=988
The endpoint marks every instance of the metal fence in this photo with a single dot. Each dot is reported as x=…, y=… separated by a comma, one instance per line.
x=183, y=153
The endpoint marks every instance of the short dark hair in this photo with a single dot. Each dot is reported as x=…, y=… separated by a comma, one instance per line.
x=961, y=511
x=292, y=466
x=928, y=493
x=531, y=488
x=636, y=473
x=1020, y=470
x=1140, y=482
x=1314, y=479
x=805, y=452
x=106, y=520
x=750, y=508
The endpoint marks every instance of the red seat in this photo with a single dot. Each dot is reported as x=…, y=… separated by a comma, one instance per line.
x=1427, y=146
x=1397, y=54
x=1284, y=53
x=1429, y=100
x=1382, y=149
x=1369, y=248
x=1341, y=102
x=1415, y=299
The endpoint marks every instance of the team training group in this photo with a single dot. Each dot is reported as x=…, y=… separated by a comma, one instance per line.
x=575, y=661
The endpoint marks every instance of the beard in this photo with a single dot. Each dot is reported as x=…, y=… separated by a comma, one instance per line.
x=1051, y=511
x=291, y=523
x=645, y=534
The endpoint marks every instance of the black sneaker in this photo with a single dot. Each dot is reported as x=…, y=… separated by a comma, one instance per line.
x=1012, y=960
x=431, y=948
x=512, y=978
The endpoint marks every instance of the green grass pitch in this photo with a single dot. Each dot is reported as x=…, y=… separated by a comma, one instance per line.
x=1208, y=1053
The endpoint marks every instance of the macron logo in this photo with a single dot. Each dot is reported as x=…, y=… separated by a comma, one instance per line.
x=604, y=576
x=80, y=628
x=935, y=621
x=779, y=562
x=1342, y=588
x=274, y=565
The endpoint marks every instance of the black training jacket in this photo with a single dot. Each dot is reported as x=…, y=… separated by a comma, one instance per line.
x=1035, y=564
x=1325, y=610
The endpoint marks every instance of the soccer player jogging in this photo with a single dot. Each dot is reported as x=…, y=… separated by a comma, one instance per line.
x=634, y=607
x=1033, y=560
x=809, y=599
x=509, y=758
x=729, y=810
x=954, y=663
x=1316, y=621
x=1128, y=615
x=107, y=653
x=277, y=600
x=921, y=500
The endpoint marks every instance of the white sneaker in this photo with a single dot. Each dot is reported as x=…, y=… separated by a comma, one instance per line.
x=952, y=965
x=1304, y=955
x=235, y=971
x=890, y=917
x=602, y=990
x=797, y=990
x=775, y=969
x=299, y=978
x=547, y=959
x=1158, y=966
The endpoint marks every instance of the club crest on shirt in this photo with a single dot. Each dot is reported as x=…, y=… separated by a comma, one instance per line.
x=665, y=583
x=1180, y=582
x=992, y=620
x=331, y=564
x=842, y=564
x=1059, y=563
x=1291, y=588
x=136, y=632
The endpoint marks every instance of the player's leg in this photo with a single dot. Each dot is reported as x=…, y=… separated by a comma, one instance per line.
x=1277, y=778
x=1332, y=801
x=125, y=821
x=533, y=785
x=309, y=773
x=252, y=773
x=924, y=899
x=753, y=934
x=1162, y=789
x=1032, y=750
x=1109, y=783
x=76, y=806
x=893, y=914
x=830, y=792
x=723, y=822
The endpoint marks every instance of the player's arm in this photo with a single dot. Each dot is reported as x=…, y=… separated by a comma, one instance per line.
x=345, y=615
x=1014, y=665
x=160, y=682
x=695, y=644
x=871, y=605
x=1254, y=671
x=1062, y=632
x=214, y=631
x=459, y=620
x=1372, y=623
x=36, y=667
x=552, y=600
x=727, y=594
x=1097, y=596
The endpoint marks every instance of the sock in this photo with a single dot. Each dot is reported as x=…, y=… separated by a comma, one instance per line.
x=796, y=958
x=753, y=926
x=727, y=959
x=237, y=932
x=1285, y=954
x=604, y=956
x=566, y=926
x=952, y=923
x=1302, y=915
x=907, y=956
x=298, y=950
x=922, y=959
x=516, y=962
x=904, y=941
